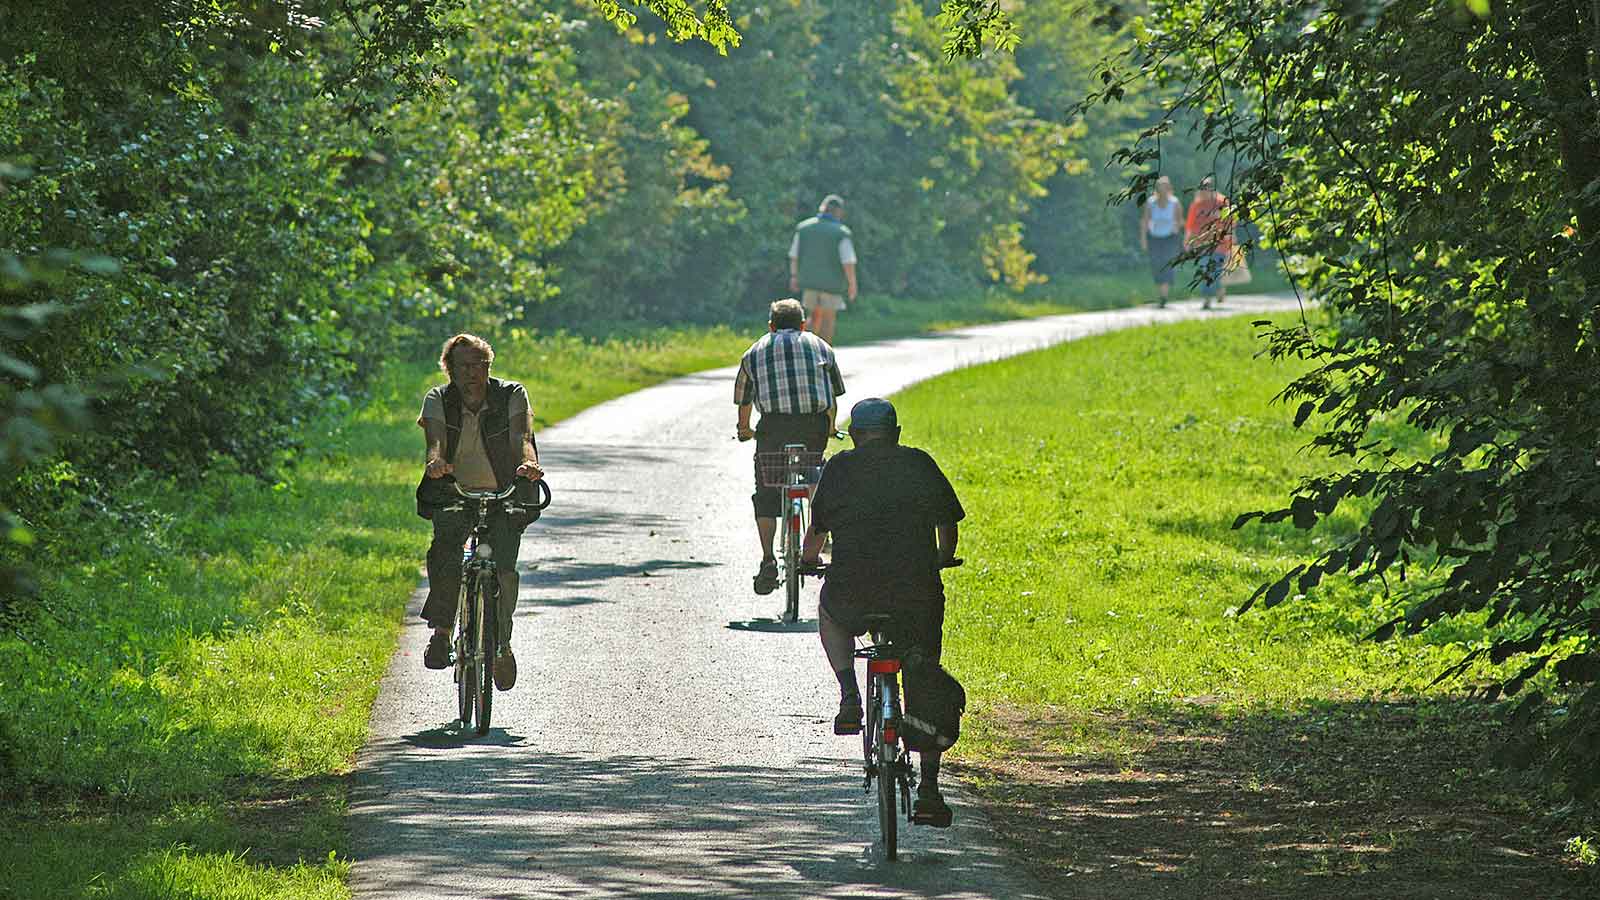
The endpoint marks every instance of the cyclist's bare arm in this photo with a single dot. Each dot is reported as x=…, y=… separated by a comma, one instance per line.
x=948, y=535
x=433, y=432
x=812, y=550
x=744, y=431
x=523, y=430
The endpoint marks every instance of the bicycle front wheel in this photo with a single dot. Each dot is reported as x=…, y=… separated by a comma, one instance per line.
x=488, y=597
x=791, y=566
x=466, y=685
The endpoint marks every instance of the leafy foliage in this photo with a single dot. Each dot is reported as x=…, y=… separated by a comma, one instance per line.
x=939, y=163
x=246, y=206
x=1436, y=170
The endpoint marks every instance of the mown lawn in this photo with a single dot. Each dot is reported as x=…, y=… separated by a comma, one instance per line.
x=1133, y=733
x=177, y=719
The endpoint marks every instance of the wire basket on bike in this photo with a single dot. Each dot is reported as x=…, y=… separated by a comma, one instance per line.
x=778, y=466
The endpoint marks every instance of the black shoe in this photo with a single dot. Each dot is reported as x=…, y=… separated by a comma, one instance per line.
x=438, y=654
x=848, y=721
x=766, y=580
x=931, y=810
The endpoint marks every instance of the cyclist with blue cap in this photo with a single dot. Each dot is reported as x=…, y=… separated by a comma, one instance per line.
x=893, y=515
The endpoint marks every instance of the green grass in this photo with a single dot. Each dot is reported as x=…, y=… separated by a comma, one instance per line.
x=179, y=721
x=1131, y=734
x=1102, y=478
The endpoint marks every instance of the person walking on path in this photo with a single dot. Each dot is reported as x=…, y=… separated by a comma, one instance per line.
x=893, y=515
x=822, y=266
x=1161, y=233
x=792, y=378
x=480, y=430
x=1210, y=233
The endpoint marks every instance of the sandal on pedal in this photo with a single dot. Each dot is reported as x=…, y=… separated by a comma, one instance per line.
x=848, y=721
x=766, y=580
x=438, y=655
x=931, y=810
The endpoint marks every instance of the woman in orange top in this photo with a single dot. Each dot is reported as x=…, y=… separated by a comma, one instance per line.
x=1210, y=228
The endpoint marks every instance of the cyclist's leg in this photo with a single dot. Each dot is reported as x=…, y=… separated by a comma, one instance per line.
x=838, y=643
x=506, y=542
x=766, y=501
x=444, y=568
x=923, y=628
x=837, y=628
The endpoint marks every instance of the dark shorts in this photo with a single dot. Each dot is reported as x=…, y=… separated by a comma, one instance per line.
x=1163, y=251
x=919, y=624
x=772, y=433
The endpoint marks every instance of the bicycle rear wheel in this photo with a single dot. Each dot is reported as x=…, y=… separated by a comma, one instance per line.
x=466, y=685
x=487, y=634
x=871, y=727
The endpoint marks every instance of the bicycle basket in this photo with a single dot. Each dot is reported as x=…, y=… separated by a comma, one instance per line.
x=776, y=466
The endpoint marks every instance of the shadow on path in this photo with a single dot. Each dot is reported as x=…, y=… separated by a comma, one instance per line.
x=557, y=825
x=775, y=626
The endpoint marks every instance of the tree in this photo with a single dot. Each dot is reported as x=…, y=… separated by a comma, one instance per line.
x=1434, y=170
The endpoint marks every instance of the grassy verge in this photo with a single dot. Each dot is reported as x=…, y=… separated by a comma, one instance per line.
x=184, y=710
x=178, y=720
x=1130, y=731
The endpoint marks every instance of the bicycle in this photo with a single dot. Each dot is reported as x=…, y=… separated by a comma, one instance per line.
x=793, y=470
x=888, y=762
x=477, y=634
x=887, y=759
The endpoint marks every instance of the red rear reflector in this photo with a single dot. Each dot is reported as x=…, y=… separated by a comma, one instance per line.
x=883, y=666
x=795, y=493
x=889, y=735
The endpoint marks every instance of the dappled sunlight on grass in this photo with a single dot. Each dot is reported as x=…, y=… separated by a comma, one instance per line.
x=1101, y=479
x=1132, y=733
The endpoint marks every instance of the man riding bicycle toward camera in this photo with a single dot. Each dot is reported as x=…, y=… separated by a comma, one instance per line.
x=479, y=429
x=893, y=517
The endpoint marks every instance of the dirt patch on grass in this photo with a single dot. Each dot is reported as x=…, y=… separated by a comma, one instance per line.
x=1344, y=800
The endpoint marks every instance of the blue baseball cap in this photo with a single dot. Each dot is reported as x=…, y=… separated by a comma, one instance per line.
x=873, y=413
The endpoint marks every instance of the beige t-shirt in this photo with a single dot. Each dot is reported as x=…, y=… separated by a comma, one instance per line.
x=472, y=468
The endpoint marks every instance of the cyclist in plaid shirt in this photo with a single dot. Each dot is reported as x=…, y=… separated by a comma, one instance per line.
x=792, y=378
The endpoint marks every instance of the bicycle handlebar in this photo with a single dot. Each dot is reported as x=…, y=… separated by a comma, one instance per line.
x=492, y=496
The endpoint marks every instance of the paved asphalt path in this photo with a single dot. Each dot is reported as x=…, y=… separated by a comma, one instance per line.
x=667, y=737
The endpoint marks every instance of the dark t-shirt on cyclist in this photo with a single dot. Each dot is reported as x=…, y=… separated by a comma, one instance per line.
x=882, y=502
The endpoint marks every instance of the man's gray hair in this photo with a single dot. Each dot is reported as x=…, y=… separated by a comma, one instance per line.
x=787, y=313
x=831, y=203
x=463, y=339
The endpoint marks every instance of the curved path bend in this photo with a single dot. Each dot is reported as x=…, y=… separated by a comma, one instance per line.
x=667, y=738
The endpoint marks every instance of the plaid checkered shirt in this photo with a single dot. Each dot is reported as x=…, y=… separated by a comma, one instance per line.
x=788, y=371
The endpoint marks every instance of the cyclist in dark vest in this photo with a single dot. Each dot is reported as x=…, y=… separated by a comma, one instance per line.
x=893, y=517
x=479, y=429
x=822, y=266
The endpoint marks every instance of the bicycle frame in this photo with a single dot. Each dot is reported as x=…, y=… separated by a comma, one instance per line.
x=477, y=634
x=886, y=759
x=792, y=471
